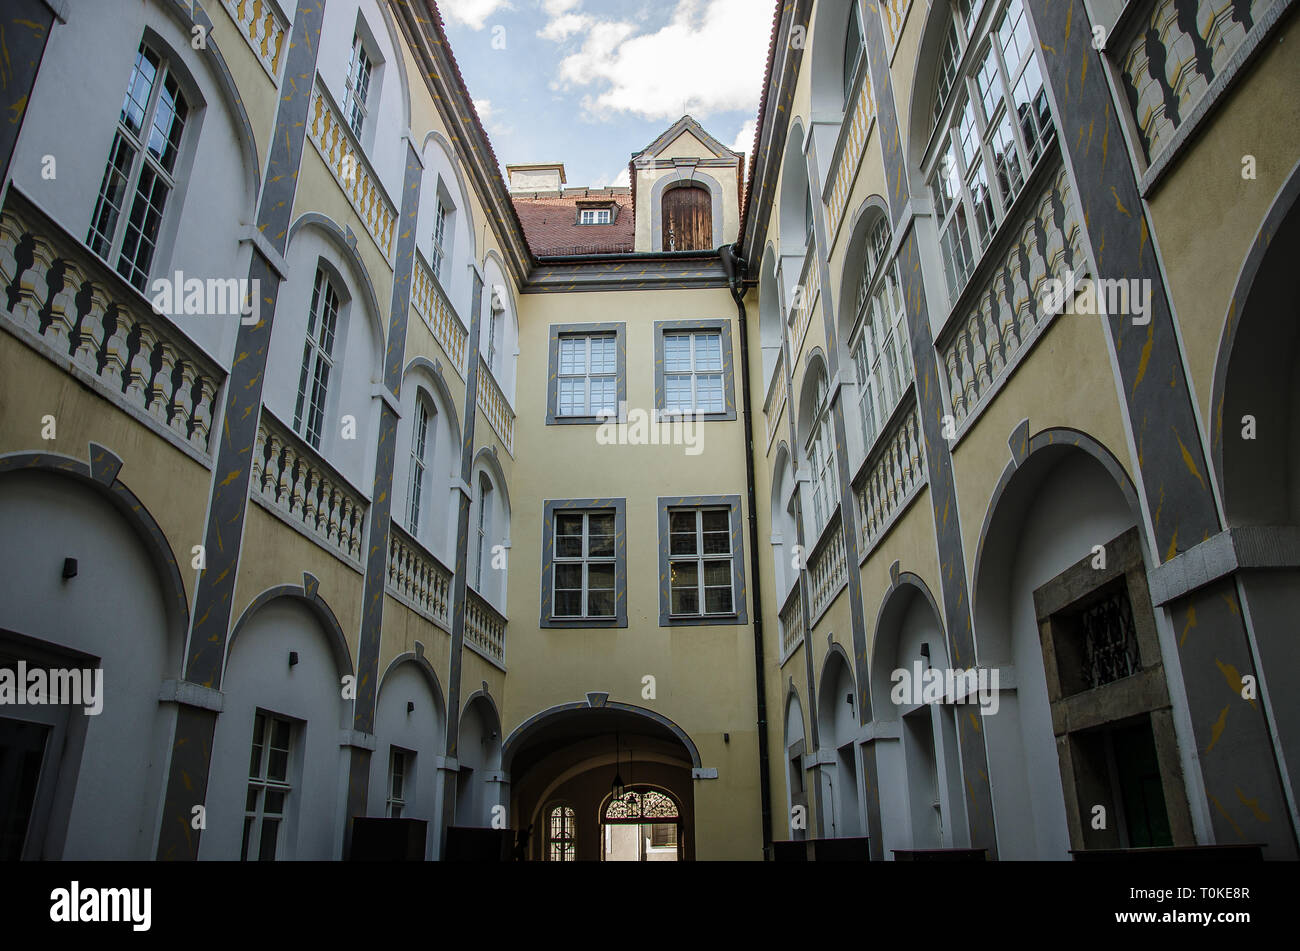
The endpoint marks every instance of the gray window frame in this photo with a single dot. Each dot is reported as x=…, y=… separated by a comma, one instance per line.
x=739, y=592
x=619, y=330
x=551, y=506
x=721, y=325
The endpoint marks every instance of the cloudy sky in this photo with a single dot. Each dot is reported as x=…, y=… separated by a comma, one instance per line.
x=589, y=82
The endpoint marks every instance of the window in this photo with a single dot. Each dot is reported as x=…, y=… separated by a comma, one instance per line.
x=399, y=763
x=693, y=368
x=594, y=216
x=141, y=165
x=693, y=373
x=852, y=50
x=998, y=126
x=268, y=788
x=355, y=99
x=663, y=835
x=584, y=564
x=700, y=562
x=494, y=319
x=879, y=343
x=687, y=213
x=484, y=525
x=587, y=378
x=585, y=568
x=821, y=456
x=421, y=452
x=559, y=834
x=439, y=239
x=317, y=360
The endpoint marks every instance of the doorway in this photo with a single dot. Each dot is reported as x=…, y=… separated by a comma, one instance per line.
x=643, y=825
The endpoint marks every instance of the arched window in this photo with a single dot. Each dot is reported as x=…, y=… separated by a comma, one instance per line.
x=560, y=828
x=995, y=121
x=423, y=437
x=852, y=50
x=317, y=360
x=879, y=339
x=141, y=163
x=821, y=456
x=688, y=219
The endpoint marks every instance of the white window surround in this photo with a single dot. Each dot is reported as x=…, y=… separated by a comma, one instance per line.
x=312, y=407
x=879, y=342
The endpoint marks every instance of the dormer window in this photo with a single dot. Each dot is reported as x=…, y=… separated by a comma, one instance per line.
x=594, y=216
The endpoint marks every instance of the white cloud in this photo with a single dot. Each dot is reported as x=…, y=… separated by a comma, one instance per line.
x=708, y=58
x=622, y=180
x=484, y=109
x=472, y=13
x=745, y=138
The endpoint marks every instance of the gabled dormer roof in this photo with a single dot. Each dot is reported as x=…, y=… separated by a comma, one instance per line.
x=686, y=124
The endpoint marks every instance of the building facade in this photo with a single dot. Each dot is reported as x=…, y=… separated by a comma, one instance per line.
x=951, y=505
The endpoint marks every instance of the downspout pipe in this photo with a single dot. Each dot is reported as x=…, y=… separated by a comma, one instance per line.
x=735, y=268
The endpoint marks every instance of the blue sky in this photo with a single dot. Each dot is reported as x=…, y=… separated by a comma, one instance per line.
x=589, y=82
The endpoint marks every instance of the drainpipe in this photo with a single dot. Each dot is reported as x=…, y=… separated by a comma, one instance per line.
x=735, y=267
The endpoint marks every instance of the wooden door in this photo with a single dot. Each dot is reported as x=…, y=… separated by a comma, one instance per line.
x=688, y=219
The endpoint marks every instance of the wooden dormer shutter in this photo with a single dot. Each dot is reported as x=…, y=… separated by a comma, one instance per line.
x=688, y=219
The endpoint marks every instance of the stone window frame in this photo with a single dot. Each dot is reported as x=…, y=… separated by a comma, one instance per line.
x=550, y=508
x=619, y=330
x=739, y=593
x=721, y=325
x=1144, y=694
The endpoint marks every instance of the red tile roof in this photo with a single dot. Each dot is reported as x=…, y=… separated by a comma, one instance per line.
x=551, y=228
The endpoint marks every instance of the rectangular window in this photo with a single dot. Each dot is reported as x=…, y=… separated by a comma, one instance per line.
x=700, y=562
x=317, y=361
x=663, y=835
x=268, y=789
x=141, y=163
x=585, y=575
x=596, y=216
x=439, y=239
x=399, y=767
x=584, y=564
x=693, y=373
x=587, y=383
x=419, y=463
x=358, y=86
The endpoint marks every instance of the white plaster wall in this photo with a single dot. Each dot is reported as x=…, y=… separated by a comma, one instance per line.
x=1077, y=506
x=479, y=750
x=386, y=119
x=73, y=117
x=258, y=675
x=440, y=176
x=357, y=349
x=422, y=732
x=113, y=609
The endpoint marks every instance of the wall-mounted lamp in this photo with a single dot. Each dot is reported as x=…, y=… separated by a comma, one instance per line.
x=925, y=652
x=69, y=568
x=726, y=738
x=293, y=658
x=410, y=707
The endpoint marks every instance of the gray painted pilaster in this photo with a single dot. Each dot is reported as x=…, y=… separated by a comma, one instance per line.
x=1238, y=761
x=372, y=606
x=461, y=568
x=938, y=454
x=227, y=507
x=25, y=27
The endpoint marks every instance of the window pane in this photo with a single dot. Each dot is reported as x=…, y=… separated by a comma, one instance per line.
x=270, y=828
x=685, y=601
x=677, y=394
x=717, y=573
x=573, y=354
x=684, y=574
x=718, y=601
x=600, y=576
x=572, y=399
x=600, y=604
x=708, y=394
x=677, y=352
x=708, y=351
x=568, y=577
x=138, y=88
x=604, y=396
x=568, y=603
x=717, y=520
x=604, y=354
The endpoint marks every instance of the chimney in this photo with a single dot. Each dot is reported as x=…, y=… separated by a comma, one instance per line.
x=536, y=178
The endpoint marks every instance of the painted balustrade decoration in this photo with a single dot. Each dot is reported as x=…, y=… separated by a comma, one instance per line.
x=1173, y=53
x=418, y=579
x=485, y=627
x=348, y=164
x=893, y=13
x=292, y=479
x=431, y=303
x=261, y=24
x=827, y=571
x=852, y=146
x=898, y=468
x=494, y=406
x=1008, y=311
x=791, y=622
x=81, y=314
